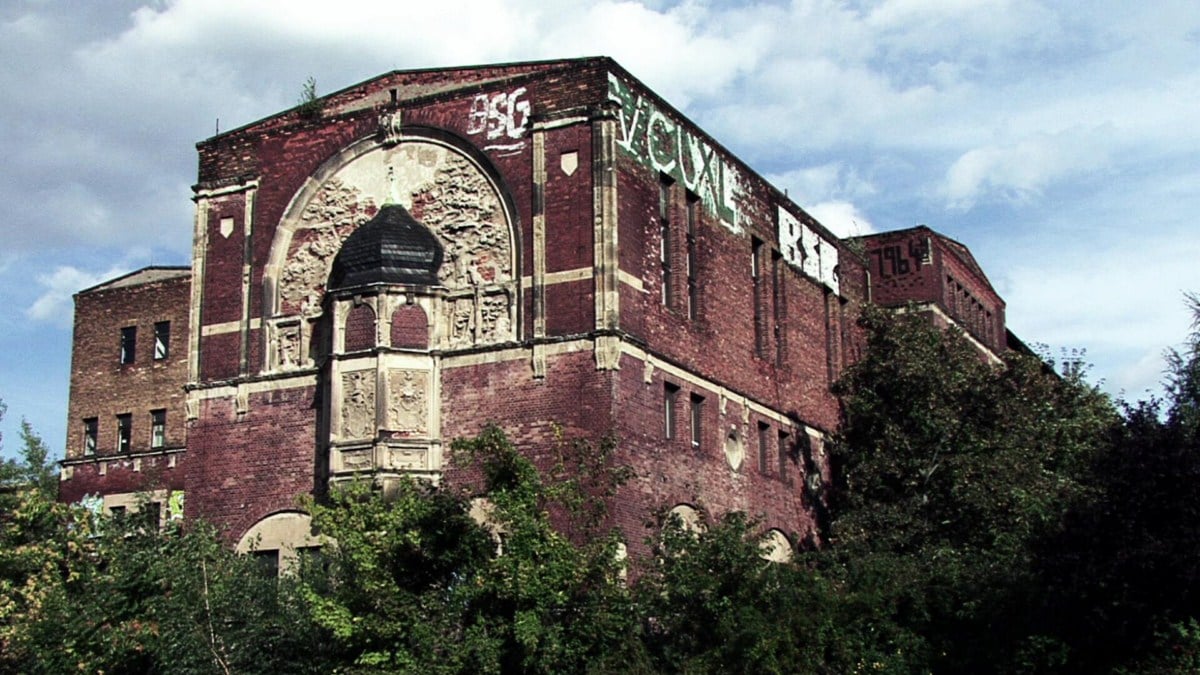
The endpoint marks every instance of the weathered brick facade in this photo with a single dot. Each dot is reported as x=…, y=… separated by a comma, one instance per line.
x=149, y=382
x=608, y=269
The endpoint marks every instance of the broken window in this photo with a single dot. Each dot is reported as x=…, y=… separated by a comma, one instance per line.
x=162, y=340
x=128, y=344
x=124, y=432
x=91, y=427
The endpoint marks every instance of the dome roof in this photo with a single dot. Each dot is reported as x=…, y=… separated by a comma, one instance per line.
x=391, y=248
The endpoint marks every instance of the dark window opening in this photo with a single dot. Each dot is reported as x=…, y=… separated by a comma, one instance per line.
x=124, y=432
x=116, y=511
x=785, y=450
x=268, y=561
x=162, y=340
x=756, y=274
x=128, y=344
x=670, y=394
x=158, y=428
x=91, y=428
x=693, y=287
x=664, y=238
x=778, y=309
x=697, y=407
x=764, y=447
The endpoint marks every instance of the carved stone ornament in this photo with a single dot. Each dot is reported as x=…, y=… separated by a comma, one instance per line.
x=287, y=346
x=495, y=324
x=442, y=189
x=408, y=408
x=327, y=220
x=358, y=404
x=389, y=127
x=461, y=317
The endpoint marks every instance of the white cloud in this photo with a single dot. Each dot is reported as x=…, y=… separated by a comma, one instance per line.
x=1021, y=170
x=54, y=304
x=842, y=218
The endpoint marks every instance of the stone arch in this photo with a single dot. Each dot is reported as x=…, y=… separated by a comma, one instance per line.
x=775, y=546
x=410, y=327
x=443, y=182
x=690, y=518
x=285, y=533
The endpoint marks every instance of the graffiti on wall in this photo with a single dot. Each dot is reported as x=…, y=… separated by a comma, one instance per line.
x=816, y=256
x=896, y=261
x=502, y=117
x=669, y=146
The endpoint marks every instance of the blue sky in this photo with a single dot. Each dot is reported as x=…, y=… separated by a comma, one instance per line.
x=1059, y=141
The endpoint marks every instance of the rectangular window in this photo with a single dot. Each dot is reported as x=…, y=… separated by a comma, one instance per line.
x=693, y=306
x=128, y=344
x=664, y=238
x=116, y=510
x=151, y=515
x=785, y=451
x=91, y=427
x=124, y=432
x=158, y=428
x=778, y=309
x=162, y=340
x=756, y=275
x=697, y=406
x=670, y=395
x=764, y=448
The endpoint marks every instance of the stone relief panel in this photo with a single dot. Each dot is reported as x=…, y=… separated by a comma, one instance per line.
x=461, y=206
x=358, y=404
x=408, y=401
x=495, y=325
x=440, y=187
x=287, y=346
x=336, y=211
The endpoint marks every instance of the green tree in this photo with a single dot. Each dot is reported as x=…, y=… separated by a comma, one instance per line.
x=416, y=585
x=950, y=469
x=1124, y=569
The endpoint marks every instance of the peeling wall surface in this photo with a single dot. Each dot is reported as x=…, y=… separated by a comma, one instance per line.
x=606, y=268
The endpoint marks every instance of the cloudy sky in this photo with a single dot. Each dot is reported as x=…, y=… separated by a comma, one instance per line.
x=1059, y=141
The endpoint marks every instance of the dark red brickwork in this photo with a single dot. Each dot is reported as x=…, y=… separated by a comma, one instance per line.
x=360, y=328
x=757, y=354
x=410, y=327
x=920, y=265
x=243, y=467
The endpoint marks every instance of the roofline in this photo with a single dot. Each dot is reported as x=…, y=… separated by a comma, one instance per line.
x=410, y=71
x=106, y=282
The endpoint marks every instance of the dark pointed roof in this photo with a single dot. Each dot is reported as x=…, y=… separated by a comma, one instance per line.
x=391, y=248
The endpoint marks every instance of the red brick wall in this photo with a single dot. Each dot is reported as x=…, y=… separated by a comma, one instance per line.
x=103, y=388
x=241, y=468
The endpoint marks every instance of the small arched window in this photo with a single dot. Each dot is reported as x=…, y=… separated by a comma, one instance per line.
x=360, y=328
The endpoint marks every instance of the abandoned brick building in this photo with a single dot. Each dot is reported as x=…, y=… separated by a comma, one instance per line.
x=547, y=245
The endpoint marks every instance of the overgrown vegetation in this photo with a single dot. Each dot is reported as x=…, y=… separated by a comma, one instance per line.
x=985, y=518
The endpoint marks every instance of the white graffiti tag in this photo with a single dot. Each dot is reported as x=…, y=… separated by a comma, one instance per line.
x=504, y=115
x=671, y=147
x=809, y=251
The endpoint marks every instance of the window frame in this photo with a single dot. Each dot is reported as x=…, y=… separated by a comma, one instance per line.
x=696, y=420
x=124, y=433
x=91, y=434
x=162, y=340
x=128, y=351
x=670, y=410
x=158, y=428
